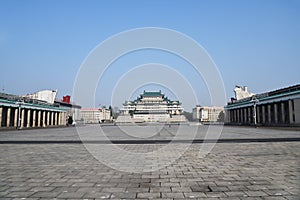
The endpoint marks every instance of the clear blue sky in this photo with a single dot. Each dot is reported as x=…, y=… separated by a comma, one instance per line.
x=252, y=42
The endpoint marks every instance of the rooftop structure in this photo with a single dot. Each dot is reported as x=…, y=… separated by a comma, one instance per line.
x=44, y=95
x=242, y=92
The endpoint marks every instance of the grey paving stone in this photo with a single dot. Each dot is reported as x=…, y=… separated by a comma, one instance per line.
x=256, y=187
x=192, y=195
x=88, y=190
x=172, y=195
x=19, y=194
x=50, y=195
x=274, y=198
x=200, y=189
x=64, y=189
x=256, y=193
x=237, y=188
x=230, y=198
x=111, y=190
x=236, y=194
x=137, y=189
x=97, y=195
x=152, y=195
x=67, y=195
x=215, y=194
x=161, y=189
x=218, y=188
x=181, y=189
x=39, y=189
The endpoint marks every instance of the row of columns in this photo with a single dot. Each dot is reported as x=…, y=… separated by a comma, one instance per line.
x=264, y=114
x=22, y=117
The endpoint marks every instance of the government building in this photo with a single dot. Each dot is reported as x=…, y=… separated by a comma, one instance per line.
x=151, y=106
x=275, y=108
x=40, y=109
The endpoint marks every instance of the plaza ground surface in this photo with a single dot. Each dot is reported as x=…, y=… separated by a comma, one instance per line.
x=65, y=168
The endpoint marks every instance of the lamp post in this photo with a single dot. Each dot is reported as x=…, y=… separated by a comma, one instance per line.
x=255, y=101
x=19, y=114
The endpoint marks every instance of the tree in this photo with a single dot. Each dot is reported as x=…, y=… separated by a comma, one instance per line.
x=131, y=112
x=188, y=115
x=110, y=110
x=221, y=117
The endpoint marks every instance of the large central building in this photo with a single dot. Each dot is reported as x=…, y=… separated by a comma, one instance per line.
x=152, y=107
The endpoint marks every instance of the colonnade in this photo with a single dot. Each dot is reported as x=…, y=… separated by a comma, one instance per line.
x=275, y=113
x=19, y=117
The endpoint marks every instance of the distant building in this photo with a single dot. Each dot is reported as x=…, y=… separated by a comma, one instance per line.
x=96, y=115
x=72, y=108
x=151, y=106
x=275, y=108
x=207, y=114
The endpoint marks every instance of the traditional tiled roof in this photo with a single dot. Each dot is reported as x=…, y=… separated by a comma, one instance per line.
x=152, y=94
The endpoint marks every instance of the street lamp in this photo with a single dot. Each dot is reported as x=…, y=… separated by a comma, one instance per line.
x=255, y=101
x=19, y=114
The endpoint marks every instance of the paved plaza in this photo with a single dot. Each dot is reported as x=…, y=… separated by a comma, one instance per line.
x=64, y=169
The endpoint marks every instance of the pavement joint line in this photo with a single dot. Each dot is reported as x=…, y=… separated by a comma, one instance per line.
x=196, y=141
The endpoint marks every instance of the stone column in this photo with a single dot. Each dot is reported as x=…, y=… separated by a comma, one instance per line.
x=28, y=118
x=258, y=114
x=33, y=118
x=227, y=116
x=64, y=118
x=282, y=113
x=235, y=115
x=1, y=109
x=52, y=117
x=246, y=117
x=39, y=118
x=263, y=108
x=275, y=113
x=16, y=118
x=241, y=115
x=55, y=119
x=59, y=119
x=238, y=115
x=48, y=118
x=22, y=117
x=44, y=118
x=269, y=114
x=291, y=111
x=8, y=117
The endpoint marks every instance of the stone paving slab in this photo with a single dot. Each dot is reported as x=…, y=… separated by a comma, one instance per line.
x=229, y=171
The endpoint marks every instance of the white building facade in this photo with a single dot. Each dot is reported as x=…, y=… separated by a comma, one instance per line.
x=95, y=115
x=208, y=114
